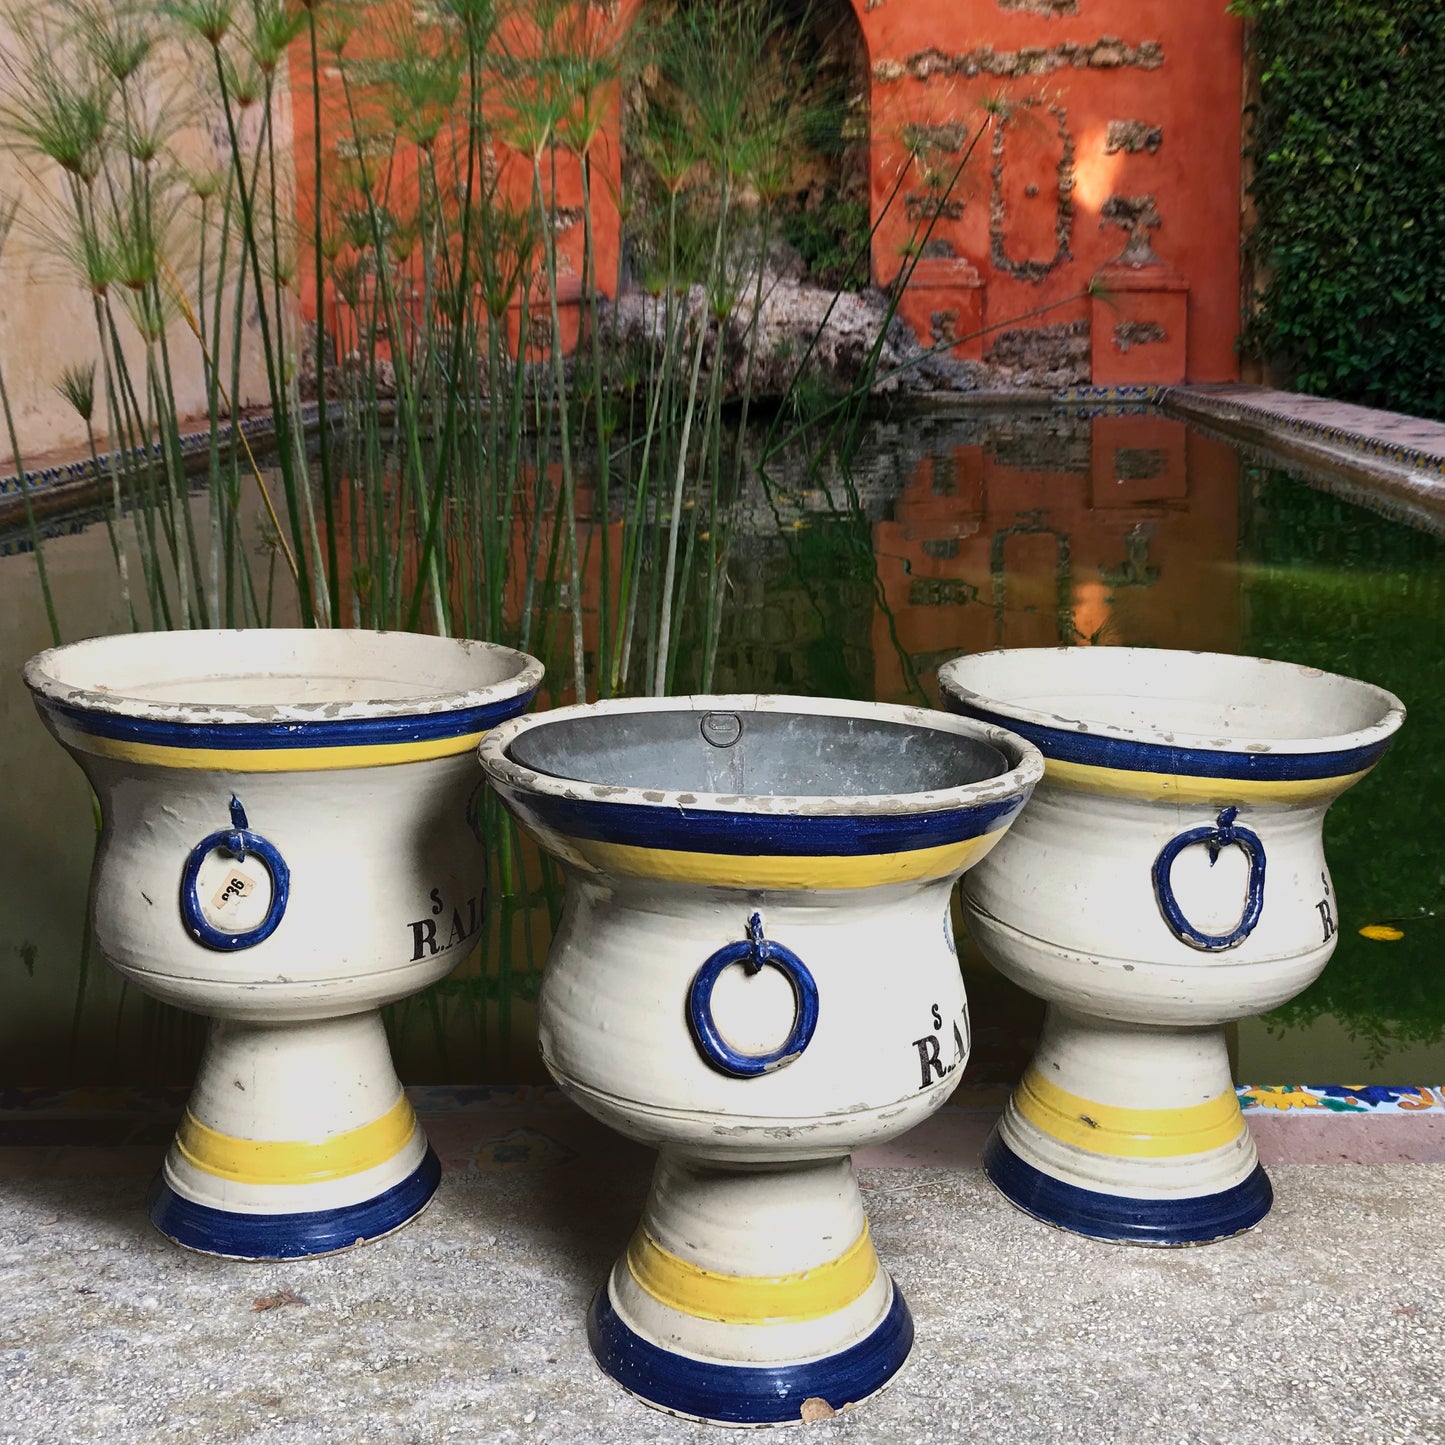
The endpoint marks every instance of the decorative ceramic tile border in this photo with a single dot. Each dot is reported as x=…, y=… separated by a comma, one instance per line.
x=1092, y=401
x=13, y=546
x=1304, y=1099
x=1093, y=394
x=515, y=1127
x=1280, y=411
x=1363, y=431
x=192, y=443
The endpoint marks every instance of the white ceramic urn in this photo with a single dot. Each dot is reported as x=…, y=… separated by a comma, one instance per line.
x=291, y=838
x=1168, y=877
x=755, y=974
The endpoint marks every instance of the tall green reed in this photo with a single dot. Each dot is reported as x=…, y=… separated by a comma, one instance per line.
x=447, y=249
x=500, y=453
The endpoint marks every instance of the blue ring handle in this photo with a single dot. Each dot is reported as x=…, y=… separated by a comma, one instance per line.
x=752, y=952
x=1223, y=834
x=238, y=841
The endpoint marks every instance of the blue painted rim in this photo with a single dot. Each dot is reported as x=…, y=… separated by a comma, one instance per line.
x=1127, y=755
x=747, y=1394
x=291, y=1236
x=779, y=835
x=1122, y=1220
x=322, y=733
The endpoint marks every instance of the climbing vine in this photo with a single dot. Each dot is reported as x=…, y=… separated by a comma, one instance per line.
x=1349, y=187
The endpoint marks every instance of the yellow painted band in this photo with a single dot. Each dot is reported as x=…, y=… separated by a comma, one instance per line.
x=1128, y=1133
x=272, y=760
x=735, y=1299
x=286, y=1161
x=728, y=870
x=1173, y=787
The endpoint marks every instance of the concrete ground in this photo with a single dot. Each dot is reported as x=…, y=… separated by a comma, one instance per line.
x=1326, y=1324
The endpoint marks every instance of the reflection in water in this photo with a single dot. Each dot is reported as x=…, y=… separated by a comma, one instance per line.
x=1327, y=586
x=946, y=533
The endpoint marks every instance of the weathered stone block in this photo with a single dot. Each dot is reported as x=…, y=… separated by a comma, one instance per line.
x=1131, y=137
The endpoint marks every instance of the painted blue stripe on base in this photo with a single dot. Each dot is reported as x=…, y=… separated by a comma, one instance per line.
x=331, y=733
x=291, y=1236
x=1127, y=755
x=746, y=1394
x=782, y=835
x=1127, y=1221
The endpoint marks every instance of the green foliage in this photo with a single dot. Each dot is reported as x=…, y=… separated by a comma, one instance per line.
x=1350, y=191
x=831, y=237
x=457, y=151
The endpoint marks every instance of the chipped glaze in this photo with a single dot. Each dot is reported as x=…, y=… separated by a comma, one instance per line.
x=1168, y=877
x=289, y=840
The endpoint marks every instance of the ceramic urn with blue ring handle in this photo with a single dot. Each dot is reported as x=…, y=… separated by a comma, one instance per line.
x=1168, y=877
x=290, y=839
x=755, y=974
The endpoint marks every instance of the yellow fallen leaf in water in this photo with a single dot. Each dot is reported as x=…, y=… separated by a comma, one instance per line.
x=1381, y=932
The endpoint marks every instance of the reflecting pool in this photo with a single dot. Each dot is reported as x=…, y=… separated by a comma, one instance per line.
x=948, y=531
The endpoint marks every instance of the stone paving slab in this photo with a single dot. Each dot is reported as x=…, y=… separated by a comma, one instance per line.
x=85, y=1133
x=1325, y=1324
x=1407, y=438
x=1392, y=463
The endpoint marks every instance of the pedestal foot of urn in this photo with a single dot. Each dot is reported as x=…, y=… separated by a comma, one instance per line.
x=1127, y=1219
x=297, y=1141
x=717, y=1392
x=1130, y=1134
x=735, y=1304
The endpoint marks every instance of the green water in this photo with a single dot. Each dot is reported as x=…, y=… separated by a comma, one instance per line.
x=947, y=533
x=1330, y=585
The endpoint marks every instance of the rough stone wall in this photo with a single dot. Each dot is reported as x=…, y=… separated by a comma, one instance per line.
x=1046, y=357
x=1057, y=117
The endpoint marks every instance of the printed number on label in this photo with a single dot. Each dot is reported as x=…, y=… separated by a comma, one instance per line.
x=236, y=887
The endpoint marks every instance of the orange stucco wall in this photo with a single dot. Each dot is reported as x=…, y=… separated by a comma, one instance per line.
x=1055, y=109
x=1063, y=71
x=397, y=164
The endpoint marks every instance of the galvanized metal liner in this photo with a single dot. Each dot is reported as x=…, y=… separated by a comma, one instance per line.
x=756, y=754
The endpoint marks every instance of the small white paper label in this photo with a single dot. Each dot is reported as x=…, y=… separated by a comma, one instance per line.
x=236, y=887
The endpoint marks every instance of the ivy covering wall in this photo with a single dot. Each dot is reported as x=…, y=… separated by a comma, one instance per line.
x=1348, y=146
